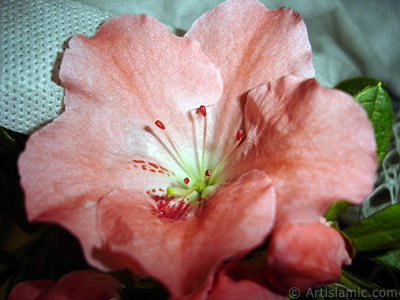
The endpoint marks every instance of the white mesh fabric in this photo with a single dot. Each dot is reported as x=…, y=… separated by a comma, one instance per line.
x=387, y=189
x=33, y=34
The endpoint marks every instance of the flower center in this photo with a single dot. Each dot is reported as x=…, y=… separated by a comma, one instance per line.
x=205, y=186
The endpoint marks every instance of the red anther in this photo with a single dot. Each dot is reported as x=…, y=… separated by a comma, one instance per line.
x=203, y=110
x=199, y=199
x=208, y=173
x=186, y=180
x=239, y=135
x=160, y=124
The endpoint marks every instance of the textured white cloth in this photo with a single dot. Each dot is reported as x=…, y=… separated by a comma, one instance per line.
x=33, y=35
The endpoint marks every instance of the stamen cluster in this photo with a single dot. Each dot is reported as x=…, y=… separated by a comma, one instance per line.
x=209, y=177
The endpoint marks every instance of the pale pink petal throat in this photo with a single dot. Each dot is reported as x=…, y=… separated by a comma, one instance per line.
x=176, y=249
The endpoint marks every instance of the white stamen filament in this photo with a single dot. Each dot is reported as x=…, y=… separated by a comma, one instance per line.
x=238, y=139
x=160, y=125
x=204, y=113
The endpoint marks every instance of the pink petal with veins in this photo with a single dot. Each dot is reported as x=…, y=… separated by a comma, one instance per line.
x=315, y=143
x=183, y=252
x=67, y=168
x=136, y=60
x=250, y=45
x=135, y=66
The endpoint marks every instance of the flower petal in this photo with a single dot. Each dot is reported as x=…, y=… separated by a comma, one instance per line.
x=30, y=290
x=69, y=165
x=315, y=143
x=237, y=280
x=305, y=255
x=78, y=285
x=250, y=45
x=135, y=66
x=182, y=254
x=242, y=280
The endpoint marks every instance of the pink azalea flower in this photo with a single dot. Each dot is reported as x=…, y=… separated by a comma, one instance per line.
x=164, y=164
x=78, y=285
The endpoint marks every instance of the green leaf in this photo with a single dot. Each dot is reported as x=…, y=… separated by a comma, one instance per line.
x=354, y=85
x=372, y=95
x=363, y=289
x=377, y=103
x=7, y=142
x=5, y=137
x=336, y=209
x=333, y=291
x=379, y=231
x=354, y=282
x=389, y=258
